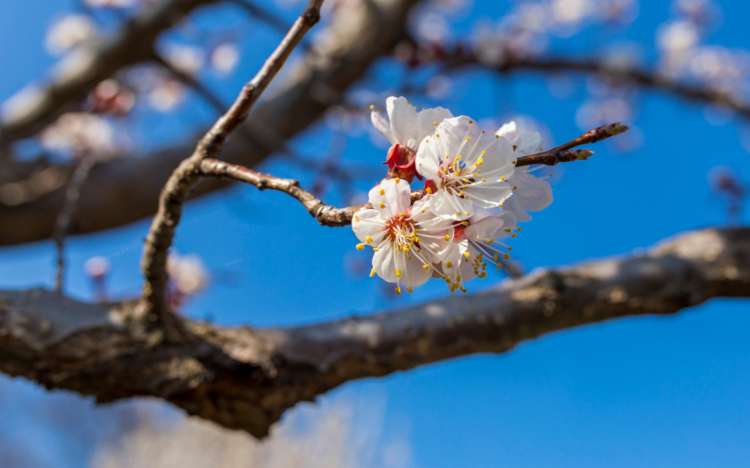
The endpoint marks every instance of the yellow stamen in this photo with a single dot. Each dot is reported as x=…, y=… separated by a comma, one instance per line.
x=447, y=237
x=382, y=205
x=410, y=289
x=398, y=273
x=382, y=192
x=398, y=290
x=425, y=267
x=372, y=273
x=506, y=256
x=428, y=190
x=368, y=239
x=360, y=246
x=449, y=264
x=398, y=180
x=467, y=254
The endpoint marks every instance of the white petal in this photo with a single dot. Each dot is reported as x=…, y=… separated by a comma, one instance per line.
x=427, y=159
x=369, y=223
x=427, y=119
x=527, y=143
x=413, y=273
x=382, y=124
x=395, y=198
x=454, y=133
x=511, y=205
x=449, y=206
x=489, y=195
x=484, y=229
x=404, y=121
x=497, y=159
x=507, y=128
x=534, y=194
x=384, y=262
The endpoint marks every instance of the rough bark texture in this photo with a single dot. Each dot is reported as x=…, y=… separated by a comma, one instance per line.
x=127, y=190
x=245, y=379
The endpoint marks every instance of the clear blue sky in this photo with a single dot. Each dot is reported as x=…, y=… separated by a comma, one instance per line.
x=668, y=392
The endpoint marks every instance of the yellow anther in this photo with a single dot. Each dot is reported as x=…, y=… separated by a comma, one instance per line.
x=375, y=249
x=510, y=248
x=447, y=237
x=449, y=264
x=480, y=161
x=514, y=162
x=426, y=140
x=410, y=289
x=382, y=205
x=482, y=274
x=496, y=257
x=467, y=254
x=465, y=223
x=435, y=122
x=518, y=229
x=425, y=267
x=513, y=236
x=437, y=135
x=468, y=138
x=502, y=177
x=500, y=205
x=368, y=239
x=398, y=180
x=382, y=192
x=380, y=110
x=499, y=265
x=484, y=152
x=428, y=190
x=372, y=107
x=458, y=214
x=468, y=213
x=372, y=273
x=482, y=179
x=360, y=246
x=398, y=273
x=471, y=122
x=489, y=241
x=398, y=290
x=508, y=229
x=506, y=256
x=461, y=194
x=356, y=218
x=515, y=187
x=482, y=132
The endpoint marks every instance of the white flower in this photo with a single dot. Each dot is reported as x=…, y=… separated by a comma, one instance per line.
x=78, y=134
x=530, y=193
x=407, y=240
x=465, y=170
x=474, y=245
x=187, y=274
x=69, y=32
x=405, y=126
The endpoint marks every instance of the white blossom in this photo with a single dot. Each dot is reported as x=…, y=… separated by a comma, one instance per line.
x=474, y=245
x=466, y=170
x=68, y=32
x=78, y=134
x=187, y=274
x=406, y=239
x=530, y=193
x=405, y=125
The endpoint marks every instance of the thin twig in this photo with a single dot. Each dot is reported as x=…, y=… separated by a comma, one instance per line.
x=62, y=225
x=183, y=179
x=267, y=17
x=564, y=152
x=326, y=215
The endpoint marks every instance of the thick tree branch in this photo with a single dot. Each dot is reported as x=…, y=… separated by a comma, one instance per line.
x=125, y=190
x=245, y=378
x=638, y=76
x=33, y=108
x=159, y=240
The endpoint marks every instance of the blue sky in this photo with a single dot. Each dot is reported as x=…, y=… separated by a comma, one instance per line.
x=646, y=391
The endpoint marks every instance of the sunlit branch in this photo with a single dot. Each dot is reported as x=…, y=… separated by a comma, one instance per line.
x=159, y=240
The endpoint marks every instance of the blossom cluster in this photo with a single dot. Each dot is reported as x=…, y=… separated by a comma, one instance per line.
x=473, y=197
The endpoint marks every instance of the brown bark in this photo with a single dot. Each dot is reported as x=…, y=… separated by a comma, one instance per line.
x=245, y=378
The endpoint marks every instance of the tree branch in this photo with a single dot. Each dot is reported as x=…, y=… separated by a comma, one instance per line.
x=125, y=190
x=244, y=378
x=159, y=240
x=33, y=108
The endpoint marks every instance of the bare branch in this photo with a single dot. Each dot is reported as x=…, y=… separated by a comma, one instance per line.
x=159, y=240
x=72, y=194
x=125, y=190
x=326, y=215
x=564, y=152
x=245, y=378
x=80, y=72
